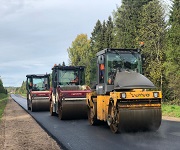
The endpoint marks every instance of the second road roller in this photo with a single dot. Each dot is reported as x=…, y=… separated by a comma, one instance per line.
x=68, y=92
x=37, y=86
x=123, y=97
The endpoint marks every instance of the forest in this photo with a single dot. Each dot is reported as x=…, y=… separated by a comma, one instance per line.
x=130, y=24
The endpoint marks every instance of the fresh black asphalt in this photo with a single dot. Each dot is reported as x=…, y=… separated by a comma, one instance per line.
x=79, y=135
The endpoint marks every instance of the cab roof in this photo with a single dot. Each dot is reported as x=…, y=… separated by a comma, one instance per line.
x=117, y=49
x=37, y=75
x=68, y=67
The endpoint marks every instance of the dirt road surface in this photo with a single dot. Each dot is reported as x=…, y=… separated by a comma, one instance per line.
x=19, y=131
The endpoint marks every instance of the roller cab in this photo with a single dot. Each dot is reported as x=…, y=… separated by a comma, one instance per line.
x=37, y=86
x=123, y=97
x=68, y=92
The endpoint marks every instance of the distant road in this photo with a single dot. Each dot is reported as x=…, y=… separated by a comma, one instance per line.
x=79, y=135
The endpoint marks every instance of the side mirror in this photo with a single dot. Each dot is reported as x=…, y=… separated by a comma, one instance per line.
x=143, y=58
x=55, y=84
x=100, y=59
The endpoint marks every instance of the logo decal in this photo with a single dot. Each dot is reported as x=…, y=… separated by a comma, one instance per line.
x=141, y=95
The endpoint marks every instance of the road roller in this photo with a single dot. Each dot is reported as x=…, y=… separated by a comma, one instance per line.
x=38, y=90
x=68, y=92
x=123, y=97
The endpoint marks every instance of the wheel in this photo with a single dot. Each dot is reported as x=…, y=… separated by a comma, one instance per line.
x=92, y=114
x=113, y=118
x=51, y=109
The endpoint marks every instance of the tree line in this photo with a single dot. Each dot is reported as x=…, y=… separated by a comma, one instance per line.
x=131, y=23
x=22, y=89
x=2, y=89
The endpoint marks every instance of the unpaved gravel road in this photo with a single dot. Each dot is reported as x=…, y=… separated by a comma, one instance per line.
x=19, y=131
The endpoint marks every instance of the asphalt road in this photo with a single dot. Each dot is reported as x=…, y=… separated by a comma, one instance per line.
x=79, y=135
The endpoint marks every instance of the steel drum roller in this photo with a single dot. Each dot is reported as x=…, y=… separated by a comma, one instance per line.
x=139, y=119
x=40, y=104
x=74, y=109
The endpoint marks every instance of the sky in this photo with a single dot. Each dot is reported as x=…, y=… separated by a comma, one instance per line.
x=35, y=34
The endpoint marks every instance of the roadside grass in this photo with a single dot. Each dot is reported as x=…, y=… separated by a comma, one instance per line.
x=24, y=95
x=171, y=110
x=3, y=102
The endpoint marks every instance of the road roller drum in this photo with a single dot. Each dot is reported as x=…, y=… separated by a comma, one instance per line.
x=40, y=104
x=139, y=119
x=73, y=110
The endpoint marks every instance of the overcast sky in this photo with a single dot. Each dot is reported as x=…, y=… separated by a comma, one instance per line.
x=35, y=34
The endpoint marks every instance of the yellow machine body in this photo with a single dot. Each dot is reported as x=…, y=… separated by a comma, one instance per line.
x=123, y=96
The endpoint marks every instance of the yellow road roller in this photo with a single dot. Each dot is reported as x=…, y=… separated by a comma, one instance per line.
x=123, y=97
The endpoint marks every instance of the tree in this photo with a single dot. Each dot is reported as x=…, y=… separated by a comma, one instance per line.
x=102, y=35
x=127, y=19
x=109, y=36
x=172, y=65
x=152, y=32
x=2, y=89
x=96, y=41
x=79, y=53
x=22, y=89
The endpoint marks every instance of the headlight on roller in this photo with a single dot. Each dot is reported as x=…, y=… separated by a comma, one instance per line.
x=123, y=95
x=156, y=94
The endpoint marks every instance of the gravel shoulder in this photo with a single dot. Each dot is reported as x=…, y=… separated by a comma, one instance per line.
x=170, y=118
x=19, y=131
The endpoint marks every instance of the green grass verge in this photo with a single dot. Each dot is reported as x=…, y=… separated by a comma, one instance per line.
x=3, y=102
x=24, y=95
x=171, y=110
x=2, y=96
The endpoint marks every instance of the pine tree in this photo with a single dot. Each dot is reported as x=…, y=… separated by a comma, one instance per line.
x=127, y=19
x=96, y=38
x=96, y=44
x=109, y=36
x=103, y=35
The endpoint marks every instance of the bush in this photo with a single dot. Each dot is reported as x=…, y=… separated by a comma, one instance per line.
x=2, y=96
x=174, y=102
